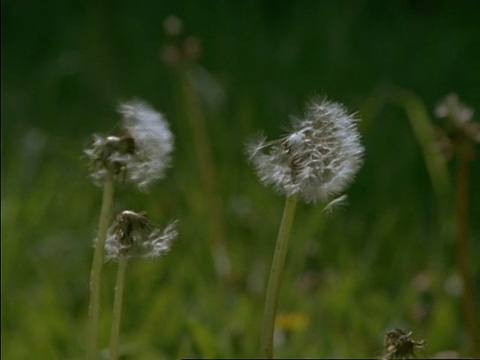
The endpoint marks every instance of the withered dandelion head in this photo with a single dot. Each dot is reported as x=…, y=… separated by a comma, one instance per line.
x=134, y=235
x=317, y=160
x=399, y=345
x=140, y=155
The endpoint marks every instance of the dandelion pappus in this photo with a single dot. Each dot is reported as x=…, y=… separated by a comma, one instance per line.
x=339, y=201
x=290, y=145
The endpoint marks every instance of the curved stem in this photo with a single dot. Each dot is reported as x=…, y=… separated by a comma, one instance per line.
x=96, y=272
x=117, y=308
x=266, y=342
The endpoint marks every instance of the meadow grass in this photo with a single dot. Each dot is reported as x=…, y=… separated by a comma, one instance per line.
x=353, y=286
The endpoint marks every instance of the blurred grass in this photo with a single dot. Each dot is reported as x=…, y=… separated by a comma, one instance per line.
x=381, y=262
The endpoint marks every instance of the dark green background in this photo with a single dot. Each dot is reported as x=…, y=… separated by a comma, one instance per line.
x=67, y=64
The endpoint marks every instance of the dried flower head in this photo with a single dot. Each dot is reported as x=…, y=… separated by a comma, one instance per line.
x=140, y=155
x=452, y=107
x=399, y=345
x=179, y=49
x=133, y=235
x=317, y=160
x=459, y=120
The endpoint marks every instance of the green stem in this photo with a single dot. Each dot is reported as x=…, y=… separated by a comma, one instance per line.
x=117, y=307
x=266, y=342
x=96, y=272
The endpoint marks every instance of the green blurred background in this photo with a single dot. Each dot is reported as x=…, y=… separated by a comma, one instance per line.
x=386, y=260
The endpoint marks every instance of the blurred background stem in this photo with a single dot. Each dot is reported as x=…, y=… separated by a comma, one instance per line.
x=208, y=176
x=424, y=130
x=465, y=156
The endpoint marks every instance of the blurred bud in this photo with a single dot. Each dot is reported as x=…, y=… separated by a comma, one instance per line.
x=173, y=25
x=178, y=50
x=171, y=55
x=192, y=48
x=459, y=120
x=451, y=107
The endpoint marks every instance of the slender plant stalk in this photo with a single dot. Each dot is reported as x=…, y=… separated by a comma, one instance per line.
x=209, y=178
x=96, y=272
x=424, y=129
x=266, y=341
x=466, y=154
x=117, y=308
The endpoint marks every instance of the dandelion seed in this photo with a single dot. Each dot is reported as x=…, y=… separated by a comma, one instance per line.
x=317, y=160
x=339, y=201
x=133, y=235
x=140, y=155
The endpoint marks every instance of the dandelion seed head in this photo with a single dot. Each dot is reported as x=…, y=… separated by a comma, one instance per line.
x=134, y=235
x=140, y=155
x=317, y=160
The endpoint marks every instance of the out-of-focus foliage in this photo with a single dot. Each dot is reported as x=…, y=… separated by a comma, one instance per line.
x=385, y=261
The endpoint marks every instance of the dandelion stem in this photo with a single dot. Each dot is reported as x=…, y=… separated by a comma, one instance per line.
x=96, y=272
x=466, y=154
x=117, y=307
x=266, y=342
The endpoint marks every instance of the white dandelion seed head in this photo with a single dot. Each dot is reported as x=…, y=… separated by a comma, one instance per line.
x=133, y=235
x=139, y=156
x=153, y=142
x=319, y=159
